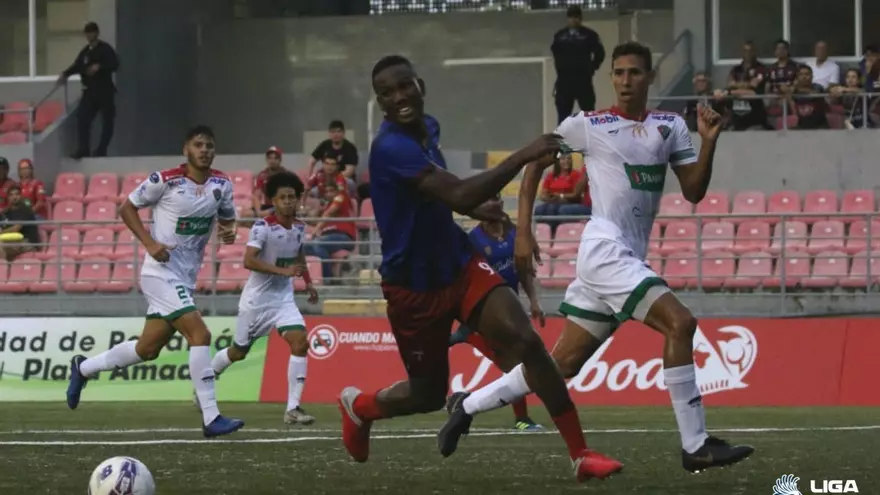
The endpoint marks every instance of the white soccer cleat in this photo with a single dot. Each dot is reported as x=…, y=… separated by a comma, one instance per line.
x=298, y=416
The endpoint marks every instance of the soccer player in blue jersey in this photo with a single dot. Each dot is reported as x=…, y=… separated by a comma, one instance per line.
x=495, y=240
x=431, y=275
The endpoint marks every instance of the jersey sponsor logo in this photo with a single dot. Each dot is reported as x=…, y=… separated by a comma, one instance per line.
x=649, y=178
x=285, y=262
x=154, y=177
x=194, y=225
x=664, y=118
x=604, y=119
x=176, y=182
x=665, y=131
x=217, y=180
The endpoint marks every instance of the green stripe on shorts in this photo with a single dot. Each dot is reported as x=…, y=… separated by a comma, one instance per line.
x=629, y=306
x=289, y=328
x=180, y=312
x=569, y=310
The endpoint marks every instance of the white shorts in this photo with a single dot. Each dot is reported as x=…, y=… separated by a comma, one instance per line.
x=253, y=324
x=167, y=299
x=612, y=285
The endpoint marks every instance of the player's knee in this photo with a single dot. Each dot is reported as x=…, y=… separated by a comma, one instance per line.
x=683, y=326
x=530, y=344
x=569, y=364
x=148, y=351
x=299, y=344
x=236, y=353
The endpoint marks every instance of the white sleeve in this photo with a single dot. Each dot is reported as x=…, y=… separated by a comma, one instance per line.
x=226, y=211
x=681, y=149
x=574, y=132
x=258, y=235
x=149, y=192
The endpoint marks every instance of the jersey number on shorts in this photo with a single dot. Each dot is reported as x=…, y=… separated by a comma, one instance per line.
x=485, y=266
x=183, y=294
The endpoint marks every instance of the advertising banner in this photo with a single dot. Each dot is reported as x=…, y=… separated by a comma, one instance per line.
x=35, y=358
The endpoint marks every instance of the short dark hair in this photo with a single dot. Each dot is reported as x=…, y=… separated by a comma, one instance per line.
x=805, y=67
x=91, y=27
x=782, y=41
x=330, y=156
x=14, y=187
x=390, y=61
x=336, y=124
x=871, y=48
x=575, y=11
x=282, y=180
x=634, y=48
x=199, y=130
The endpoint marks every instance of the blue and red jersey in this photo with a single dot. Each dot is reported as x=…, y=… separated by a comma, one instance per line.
x=498, y=253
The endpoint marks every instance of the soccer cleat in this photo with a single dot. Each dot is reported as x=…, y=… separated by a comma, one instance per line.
x=458, y=424
x=355, y=431
x=77, y=383
x=526, y=425
x=591, y=464
x=715, y=452
x=297, y=416
x=222, y=426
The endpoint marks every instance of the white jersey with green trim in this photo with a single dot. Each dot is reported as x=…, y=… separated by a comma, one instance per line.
x=626, y=161
x=183, y=219
x=279, y=246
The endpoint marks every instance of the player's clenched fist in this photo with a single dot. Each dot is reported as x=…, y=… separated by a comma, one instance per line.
x=546, y=145
x=708, y=122
x=226, y=234
x=159, y=252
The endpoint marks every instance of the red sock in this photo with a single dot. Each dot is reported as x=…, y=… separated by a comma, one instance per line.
x=569, y=426
x=481, y=345
x=367, y=408
x=520, y=409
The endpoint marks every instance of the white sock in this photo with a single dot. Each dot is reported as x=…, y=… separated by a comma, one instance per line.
x=118, y=356
x=499, y=393
x=296, y=380
x=202, y=375
x=688, y=406
x=221, y=361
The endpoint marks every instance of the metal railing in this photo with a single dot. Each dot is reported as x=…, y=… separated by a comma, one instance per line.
x=31, y=111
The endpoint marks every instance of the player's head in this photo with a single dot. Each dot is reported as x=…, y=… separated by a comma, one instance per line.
x=632, y=72
x=336, y=130
x=330, y=164
x=273, y=157
x=574, y=16
x=399, y=91
x=284, y=190
x=199, y=147
x=25, y=168
x=13, y=194
x=782, y=50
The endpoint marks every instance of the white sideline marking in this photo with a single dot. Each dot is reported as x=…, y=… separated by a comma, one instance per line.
x=432, y=434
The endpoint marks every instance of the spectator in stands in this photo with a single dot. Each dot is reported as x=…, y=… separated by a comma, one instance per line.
x=853, y=105
x=826, y=73
x=32, y=189
x=5, y=183
x=811, y=110
x=561, y=194
x=782, y=74
x=261, y=204
x=343, y=151
x=95, y=64
x=329, y=173
x=745, y=80
x=870, y=69
x=702, y=89
x=12, y=221
x=333, y=236
x=577, y=55
x=869, y=56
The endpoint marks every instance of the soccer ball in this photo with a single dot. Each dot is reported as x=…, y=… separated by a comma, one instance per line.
x=122, y=476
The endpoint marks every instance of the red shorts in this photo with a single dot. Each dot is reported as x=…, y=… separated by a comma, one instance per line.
x=422, y=321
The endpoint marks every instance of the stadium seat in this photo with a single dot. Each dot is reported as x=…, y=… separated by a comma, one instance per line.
x=104, y=212
x=654, y=238
x=826, y=235
x=365, y=214
x=857, y=240
x=680, y=269
x=715, y=203
x=69, y=240
x=14, y=137
x=717, y=236
x=794, y=237
x=69, y=186
x=242, y=183
x=22, y=273
x=752, y=236
x=858, y=277
x=828, y=268
x=822, y=201
x=68, y=211
x=96, y=243
x=122, y=279
x=751, y=270
x=716, y=267
x=231, y=276
x=47, y=114
x=103, y=187
x=673, y=204
x=567, y=239
x=857, y=202
x=784, y=202
x=16, y=117
x=130, y=182
x=244, y=208
x=206, y=277
x=124, y=249
x=679, y=236
x=795, y=264
x=92, y=271
x=4, y=273
x=564, y=271
x=66, y=268
x=236, y=250
x=544, y=237
x=313, y=263
x=748, y=203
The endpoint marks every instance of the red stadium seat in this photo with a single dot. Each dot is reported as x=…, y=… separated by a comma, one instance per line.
x=103, y=212
x=858, y=277
x=66, y=268
x=827, y=235
x=858, y=236
x=96, y=243
x=564, y=271
x=242, y=183
x=679, y=236
x=47, y=114
x=131, y=182
x=22, y=273
x=313, y=263
x=231, y=276
x=124, y=249
x=857, y=202
x=752, y=269
x=680, y=269
x=673, y=204
x=4, y=273
x=795, y=264
x=14, y=137
x=68, y=238
x=206, y=277
x=234, y=251
x=828, y=268
x=717, y=236
x=123, y=278
x=92, y=272
x=568, y=238
x=715, y=203
x=819, y=202
x=716, y=267
x=366, y=213
x=655, y=260
x=103, y=187
x=654, y=238
x=244, y=208
x=16, y=117
x=749, y=203
x=69, y=186
x=784, y=202
x=544, y=273
x=752, y=236
x=544, y=237
x=794, y=237
x=68, y=211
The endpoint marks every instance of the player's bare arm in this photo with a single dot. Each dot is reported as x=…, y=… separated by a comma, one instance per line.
x=253, y=263
x=694, y=179
x=302, y=269
x=527, y=281
x=130, y=217
x=490, y=211
x=526, y=249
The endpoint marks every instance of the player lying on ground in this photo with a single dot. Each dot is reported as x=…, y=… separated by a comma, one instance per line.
x=626, y=149
x=431, y=276
x=495, y=240
x=185, y=201
x=274, y=256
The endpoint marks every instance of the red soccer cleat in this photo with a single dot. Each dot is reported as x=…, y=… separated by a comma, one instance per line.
x=355, y=431
x=591, y=464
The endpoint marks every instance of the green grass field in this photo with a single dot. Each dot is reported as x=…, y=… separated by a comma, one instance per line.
x=47, y=449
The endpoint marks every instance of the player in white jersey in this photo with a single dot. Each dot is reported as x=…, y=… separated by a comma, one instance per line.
x=185, y=202
x=274, y=255
x=627, y=150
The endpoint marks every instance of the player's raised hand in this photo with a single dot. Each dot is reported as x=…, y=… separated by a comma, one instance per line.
x=160, y=252
x=539, y=149
x=537, y=313
x=313, y=294
x=226, y=234
x=708, y=122
x=526, y=253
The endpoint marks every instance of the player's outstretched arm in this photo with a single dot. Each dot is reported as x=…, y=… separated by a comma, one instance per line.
x=695, y=177
x=526, y=250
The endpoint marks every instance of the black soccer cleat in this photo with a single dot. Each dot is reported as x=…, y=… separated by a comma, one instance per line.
x=715, y=452
x=458, y=424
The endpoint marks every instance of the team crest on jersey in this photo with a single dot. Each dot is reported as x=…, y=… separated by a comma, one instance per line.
x=665, y=131
x=154, y=177
x=217, y=194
